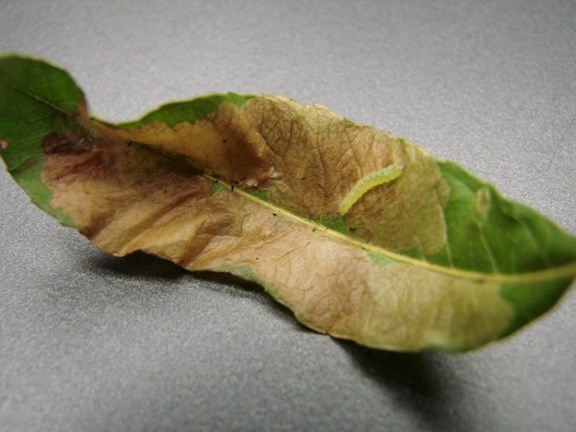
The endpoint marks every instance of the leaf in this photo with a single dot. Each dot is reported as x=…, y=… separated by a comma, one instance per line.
x=363, y=235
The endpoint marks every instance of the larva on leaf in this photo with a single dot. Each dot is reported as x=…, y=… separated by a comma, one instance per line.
x=369, y=181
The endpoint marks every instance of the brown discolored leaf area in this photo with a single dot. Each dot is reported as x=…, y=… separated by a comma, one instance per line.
x=320, y=156
x=128, y=196
x=307, y=159
x=230, y=147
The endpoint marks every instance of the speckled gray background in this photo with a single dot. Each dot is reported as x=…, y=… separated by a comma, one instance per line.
x=93, y=343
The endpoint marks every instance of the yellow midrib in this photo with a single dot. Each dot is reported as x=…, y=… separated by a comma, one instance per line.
x=563, y=271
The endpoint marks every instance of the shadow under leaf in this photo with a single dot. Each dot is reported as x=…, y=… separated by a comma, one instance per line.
x=139, y=265
x=417, y=381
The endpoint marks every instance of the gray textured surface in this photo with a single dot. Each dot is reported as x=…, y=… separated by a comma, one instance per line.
x=92, y=343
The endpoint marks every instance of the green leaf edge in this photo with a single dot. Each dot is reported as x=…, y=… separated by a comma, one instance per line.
x=187, y=111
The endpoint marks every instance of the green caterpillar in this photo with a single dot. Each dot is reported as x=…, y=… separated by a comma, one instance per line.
x=366, y=183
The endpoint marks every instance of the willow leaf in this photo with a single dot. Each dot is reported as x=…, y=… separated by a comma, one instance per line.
x=363, y=235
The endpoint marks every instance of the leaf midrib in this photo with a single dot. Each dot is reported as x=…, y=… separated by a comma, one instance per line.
x=563, y=271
